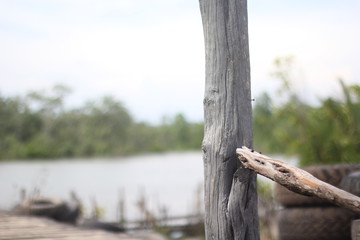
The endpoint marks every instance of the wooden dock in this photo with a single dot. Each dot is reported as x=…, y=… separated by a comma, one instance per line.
x=34, y=228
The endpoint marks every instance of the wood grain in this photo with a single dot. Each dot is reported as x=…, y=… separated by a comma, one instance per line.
x=296, y=179
x=230, y=194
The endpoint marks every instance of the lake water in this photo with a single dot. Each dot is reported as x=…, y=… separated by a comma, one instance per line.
x=170, y=180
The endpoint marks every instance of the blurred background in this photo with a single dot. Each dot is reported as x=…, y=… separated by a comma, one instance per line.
x=102, y=100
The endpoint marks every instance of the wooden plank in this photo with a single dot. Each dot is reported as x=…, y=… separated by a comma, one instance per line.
x=34, y=228
x=296, y=179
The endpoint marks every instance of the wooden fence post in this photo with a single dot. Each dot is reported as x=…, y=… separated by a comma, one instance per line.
x=230, y=189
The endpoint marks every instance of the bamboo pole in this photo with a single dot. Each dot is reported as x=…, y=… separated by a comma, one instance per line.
x=296, y=179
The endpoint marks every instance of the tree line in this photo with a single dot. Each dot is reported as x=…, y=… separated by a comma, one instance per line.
x=327, y=133
x=38, y=126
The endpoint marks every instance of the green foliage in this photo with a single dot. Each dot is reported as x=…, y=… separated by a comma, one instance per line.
x=38, y=126
x=328, y=133
x=265, y=189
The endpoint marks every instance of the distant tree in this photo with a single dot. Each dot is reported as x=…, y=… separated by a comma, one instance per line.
x=39, y=126
x=106, y=127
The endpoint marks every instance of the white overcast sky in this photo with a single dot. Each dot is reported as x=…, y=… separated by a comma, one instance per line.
x=150, y=54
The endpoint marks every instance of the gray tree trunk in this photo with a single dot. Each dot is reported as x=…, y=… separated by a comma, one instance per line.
x=230, y=189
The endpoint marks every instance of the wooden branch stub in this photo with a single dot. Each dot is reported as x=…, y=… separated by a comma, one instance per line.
x=296, y=179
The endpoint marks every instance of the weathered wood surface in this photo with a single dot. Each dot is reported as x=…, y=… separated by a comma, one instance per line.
x=34, y=228
x=296, y=179
x=230, y=191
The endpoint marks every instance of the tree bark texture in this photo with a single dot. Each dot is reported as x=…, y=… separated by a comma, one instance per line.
x=230, y=189
x=296, y=179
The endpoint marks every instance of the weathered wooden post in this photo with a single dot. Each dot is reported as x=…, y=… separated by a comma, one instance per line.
x=230, y=189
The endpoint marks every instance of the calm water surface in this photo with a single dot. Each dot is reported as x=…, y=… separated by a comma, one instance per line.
x=169, y=179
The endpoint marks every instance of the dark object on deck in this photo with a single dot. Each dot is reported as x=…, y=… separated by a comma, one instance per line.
x=53, y=208
x=314, y=223
x=351, y=183
x=96, y=224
